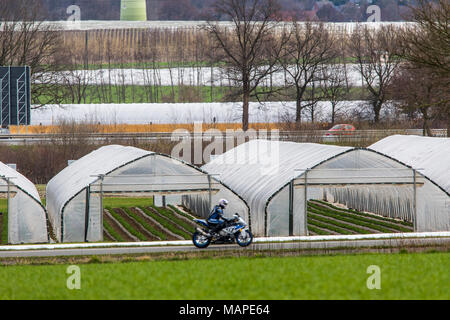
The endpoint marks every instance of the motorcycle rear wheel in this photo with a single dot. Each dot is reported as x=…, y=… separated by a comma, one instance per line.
x=244, y=242
x=200, y=241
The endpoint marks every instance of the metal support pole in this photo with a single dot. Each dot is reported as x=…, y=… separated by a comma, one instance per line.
x=291, y=208
x=102, y=177
x=86, y=214
x=210, y=194
x=415, y=200
x=306, y=202
x=8, y=202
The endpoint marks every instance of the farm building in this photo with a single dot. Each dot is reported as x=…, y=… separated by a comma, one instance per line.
x=27, y=217
x=75, y=195
x=275, y=178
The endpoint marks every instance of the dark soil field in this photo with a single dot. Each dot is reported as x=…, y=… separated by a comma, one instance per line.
x=150, y=223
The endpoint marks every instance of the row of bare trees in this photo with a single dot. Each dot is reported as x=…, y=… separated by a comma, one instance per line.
x=409, y=66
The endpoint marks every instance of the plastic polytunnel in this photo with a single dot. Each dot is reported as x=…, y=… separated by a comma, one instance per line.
x=429, y=155
x=277, y=178
x=27, y=217
x=75, y=195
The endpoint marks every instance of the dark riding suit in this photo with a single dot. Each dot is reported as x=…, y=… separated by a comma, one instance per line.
x=216, y=219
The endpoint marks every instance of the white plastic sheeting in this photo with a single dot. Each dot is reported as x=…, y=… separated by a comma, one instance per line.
x=258, y=169
x=173, y=113
x=74, y=196
x=430, y=155
x=270, y=177
x=27, y=218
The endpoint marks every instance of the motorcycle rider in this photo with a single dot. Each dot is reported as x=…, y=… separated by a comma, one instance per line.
x=216, y=218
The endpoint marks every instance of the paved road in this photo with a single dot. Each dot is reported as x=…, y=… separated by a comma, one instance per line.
x=303, y=245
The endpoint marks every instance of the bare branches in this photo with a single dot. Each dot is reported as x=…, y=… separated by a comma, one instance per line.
x=248, y=48
x=428, y=43
x=25, y=40
x=310, y=46
x=375, y=53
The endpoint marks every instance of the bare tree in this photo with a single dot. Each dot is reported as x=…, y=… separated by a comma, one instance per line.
x=308, y=49
x=25, y=40
x=246, y=48
x=420, y=91
x=334, y=87
x=427, y=44
x=375, y=53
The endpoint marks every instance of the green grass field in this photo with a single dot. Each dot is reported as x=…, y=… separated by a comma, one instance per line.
x=4, y=231
x=166, y=94
x=126, y=202
x=403, y=276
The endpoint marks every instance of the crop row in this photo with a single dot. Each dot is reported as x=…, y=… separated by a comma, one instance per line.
x=131, y=221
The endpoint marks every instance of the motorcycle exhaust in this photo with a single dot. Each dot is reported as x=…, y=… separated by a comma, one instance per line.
x=202, y=232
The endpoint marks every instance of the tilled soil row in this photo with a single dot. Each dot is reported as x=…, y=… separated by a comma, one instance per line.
x=326, y=224
x=352, y=224
x=324, y=230
x=155, y=224
x=181, y=217
x=126, y=236
x=107, y=236
x=186, y=211
x=168, y=220
x=136, y=225
x=393, y=222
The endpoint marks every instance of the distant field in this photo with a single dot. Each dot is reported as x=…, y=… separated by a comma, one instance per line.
x=141, y=94
x=403, y=276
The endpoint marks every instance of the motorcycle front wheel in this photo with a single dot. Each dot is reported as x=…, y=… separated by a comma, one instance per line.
x=200, y=241
x=244, y=240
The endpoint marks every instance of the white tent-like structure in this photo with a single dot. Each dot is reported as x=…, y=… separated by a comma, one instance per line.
x=74, y=196
x=27, y=217
x=431, y=156
x=276, y=179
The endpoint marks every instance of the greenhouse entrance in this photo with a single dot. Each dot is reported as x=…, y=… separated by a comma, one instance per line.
x=23, y=218
x=76, y=196
x=154, y=214
x=362, y=200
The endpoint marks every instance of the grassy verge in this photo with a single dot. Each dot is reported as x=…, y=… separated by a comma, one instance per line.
x=126, y=225
x=403, y=276
x=144, y=224
x=166, y=224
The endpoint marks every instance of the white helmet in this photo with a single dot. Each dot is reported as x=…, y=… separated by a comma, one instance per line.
x=223, y=203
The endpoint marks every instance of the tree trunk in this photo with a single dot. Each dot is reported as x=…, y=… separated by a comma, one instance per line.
x=376, y=110
x=448, y=123
x=298, y=112
x=245, y=108
x=333, y=113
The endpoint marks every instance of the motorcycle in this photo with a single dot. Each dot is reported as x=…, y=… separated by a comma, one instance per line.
x=234, y=230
